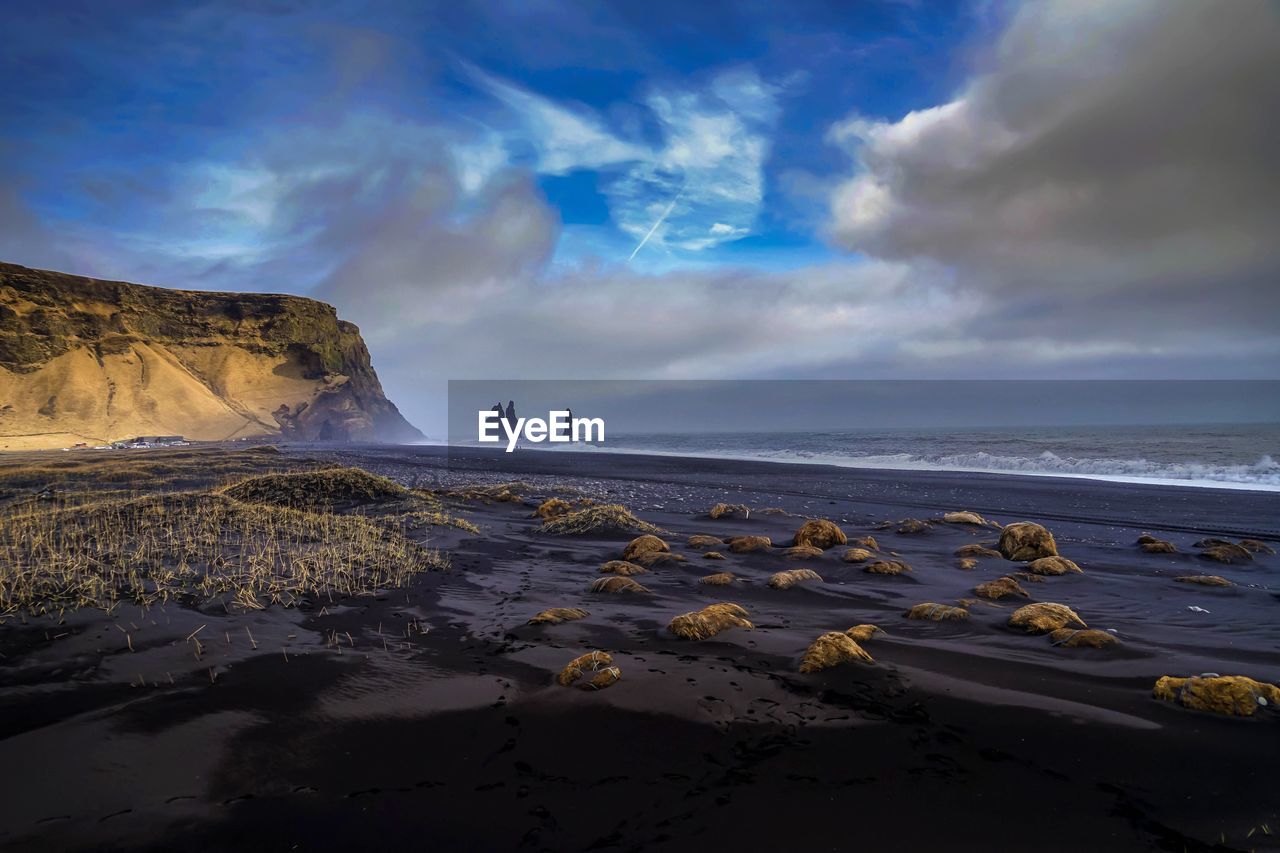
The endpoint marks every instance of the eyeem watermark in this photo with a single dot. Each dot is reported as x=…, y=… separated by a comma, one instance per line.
x=560, y=426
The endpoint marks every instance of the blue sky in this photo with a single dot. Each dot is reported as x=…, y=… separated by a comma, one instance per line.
x=611, y=107
x=896, y=189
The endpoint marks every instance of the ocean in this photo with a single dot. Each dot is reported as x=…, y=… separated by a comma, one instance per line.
x=1223, y=456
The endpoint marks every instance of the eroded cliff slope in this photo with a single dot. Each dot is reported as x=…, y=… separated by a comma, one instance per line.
x=83, y=360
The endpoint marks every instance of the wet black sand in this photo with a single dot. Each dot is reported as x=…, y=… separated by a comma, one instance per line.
x=962, y=736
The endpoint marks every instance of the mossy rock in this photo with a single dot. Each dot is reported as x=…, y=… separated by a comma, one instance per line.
x=791, y=577
x=745, y=544
x=1072, y=638
x=1044, y=617
x=820, y=533
x=1025, y=541
x=933, y=612
x=1053, y=566
x=1232, y=695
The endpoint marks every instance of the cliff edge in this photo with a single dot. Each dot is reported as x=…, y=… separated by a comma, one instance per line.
x=83, y=360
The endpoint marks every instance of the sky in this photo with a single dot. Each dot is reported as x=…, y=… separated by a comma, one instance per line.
x=532, y=190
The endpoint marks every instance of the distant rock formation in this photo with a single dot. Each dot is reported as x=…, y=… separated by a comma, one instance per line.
x=89, y=361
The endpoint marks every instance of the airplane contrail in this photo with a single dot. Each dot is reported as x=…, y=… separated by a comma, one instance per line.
x=661, y=219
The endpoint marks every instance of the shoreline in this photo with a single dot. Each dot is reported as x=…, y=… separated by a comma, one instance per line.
x=433, y=708
x=851, y=462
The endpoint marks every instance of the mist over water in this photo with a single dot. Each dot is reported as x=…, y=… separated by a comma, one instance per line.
x=1238, y=456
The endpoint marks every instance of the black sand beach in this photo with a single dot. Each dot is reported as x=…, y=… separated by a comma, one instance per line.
x=429, y=717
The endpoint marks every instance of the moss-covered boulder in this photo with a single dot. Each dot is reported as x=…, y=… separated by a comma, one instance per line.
x=1091, y=638
x=1005, y=587
x=1204, y=580
x=745, y=544
x=820, y=533
x=1024, y=541
x=933, y=612
x=973, y=549
x=1233, y=695
x=791, y=577
x=616, y=584
x=623, y=568
x=1044, y=617
x=887, y=567
x=1053, y=566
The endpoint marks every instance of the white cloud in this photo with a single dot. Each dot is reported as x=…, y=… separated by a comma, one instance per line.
x=1112, y=164
x=709, y=161
x=565, y=139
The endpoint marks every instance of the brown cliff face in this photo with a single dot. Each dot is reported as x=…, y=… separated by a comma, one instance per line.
x=83, y=360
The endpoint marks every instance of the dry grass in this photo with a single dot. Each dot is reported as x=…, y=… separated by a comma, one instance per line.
x=709, y=621
x=702, y=540
x=820, y=533
x=791, y=577
x=605, y=518
x=416, y=519
x=1005, y=587
x=1159, y=546
x=622, y=568
x=1088, y=638
x=966, y=564
x=97, y=472
x=326, y=488
x=936, y=612
x=718, y=579
x=552, y=507
x=616, y=584
x=832, y=649
x=598, y=664
x=1025, y=541
x=1204, y=580
x=512, y=492
x=1044, y=617
x=862, y=633
x=744, y=544
x=868, y=542
x=713, y=555
x=1257, y=547
x=192, y=545
x=857, y=555
x=729, y=511
x=558, y=615
x=802, y=552
x=1234, y=695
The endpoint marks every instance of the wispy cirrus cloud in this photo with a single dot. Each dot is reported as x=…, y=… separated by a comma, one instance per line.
x=699, y=185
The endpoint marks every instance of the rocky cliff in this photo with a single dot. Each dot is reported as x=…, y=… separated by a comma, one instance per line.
x=83, y=360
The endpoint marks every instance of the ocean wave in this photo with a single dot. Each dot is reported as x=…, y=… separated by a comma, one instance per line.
x=1263, y=474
